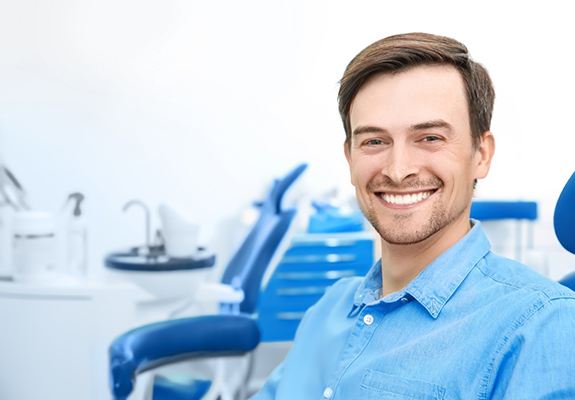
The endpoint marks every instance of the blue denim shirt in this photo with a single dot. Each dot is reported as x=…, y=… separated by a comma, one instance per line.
x=471, y=325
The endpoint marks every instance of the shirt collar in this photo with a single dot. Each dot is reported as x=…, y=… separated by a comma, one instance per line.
x=437, y=282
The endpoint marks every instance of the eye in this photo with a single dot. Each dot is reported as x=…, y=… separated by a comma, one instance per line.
x=431, y=138
x=373, y=142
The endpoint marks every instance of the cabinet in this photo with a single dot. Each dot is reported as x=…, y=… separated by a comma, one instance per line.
x=312, y=263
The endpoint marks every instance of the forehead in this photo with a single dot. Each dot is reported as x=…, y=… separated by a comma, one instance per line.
x=416, y=95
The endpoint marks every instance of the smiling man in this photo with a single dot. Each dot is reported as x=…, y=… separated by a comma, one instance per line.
x=439, y=316
x=414, y=162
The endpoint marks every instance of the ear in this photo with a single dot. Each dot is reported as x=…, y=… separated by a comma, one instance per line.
x=484, y=154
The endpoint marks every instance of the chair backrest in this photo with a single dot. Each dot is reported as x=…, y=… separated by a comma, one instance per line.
x=249, y=263
x=564, y=224
x=564, y=216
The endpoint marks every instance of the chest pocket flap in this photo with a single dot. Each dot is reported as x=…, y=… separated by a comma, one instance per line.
x=379, y=385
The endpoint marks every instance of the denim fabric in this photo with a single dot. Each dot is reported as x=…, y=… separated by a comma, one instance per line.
x=471, y=325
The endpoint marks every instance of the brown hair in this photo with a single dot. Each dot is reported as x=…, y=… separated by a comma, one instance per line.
x=400, y=52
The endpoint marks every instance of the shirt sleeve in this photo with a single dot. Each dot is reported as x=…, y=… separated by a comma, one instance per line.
x=538, y=361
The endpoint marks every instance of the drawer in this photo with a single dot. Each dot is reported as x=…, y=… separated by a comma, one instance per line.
x=300, y=261
x=299, y=302
x=339, y=246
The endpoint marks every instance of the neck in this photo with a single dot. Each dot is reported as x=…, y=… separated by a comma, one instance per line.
x=401, y=263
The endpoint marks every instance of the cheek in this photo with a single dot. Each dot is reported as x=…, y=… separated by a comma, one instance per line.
x=462, y=181
x=360, y=178
x=364, y=169
x=356, y=171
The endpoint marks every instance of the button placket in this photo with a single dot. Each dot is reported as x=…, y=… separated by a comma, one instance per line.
x=361, y=334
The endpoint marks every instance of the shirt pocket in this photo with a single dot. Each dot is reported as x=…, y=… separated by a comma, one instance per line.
x=379, y=385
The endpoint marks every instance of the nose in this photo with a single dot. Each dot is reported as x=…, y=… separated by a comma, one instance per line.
x=401, y=164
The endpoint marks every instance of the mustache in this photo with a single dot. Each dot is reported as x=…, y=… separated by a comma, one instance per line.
x=384, y=183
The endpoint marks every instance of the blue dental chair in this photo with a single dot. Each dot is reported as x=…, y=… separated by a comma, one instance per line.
x=564, y=224
x=234, y=331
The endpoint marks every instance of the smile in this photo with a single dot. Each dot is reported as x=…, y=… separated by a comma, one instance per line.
x=405, y=199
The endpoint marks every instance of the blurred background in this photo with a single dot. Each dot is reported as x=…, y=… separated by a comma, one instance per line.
x=199, y=103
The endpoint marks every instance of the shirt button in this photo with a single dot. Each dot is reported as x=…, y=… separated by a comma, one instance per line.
x=368, y=319
x=404, y=299
x=327, y=393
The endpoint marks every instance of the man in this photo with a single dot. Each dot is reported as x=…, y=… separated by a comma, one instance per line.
x=440, y=316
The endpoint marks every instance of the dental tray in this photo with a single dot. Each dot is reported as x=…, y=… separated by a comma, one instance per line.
x=155, y=260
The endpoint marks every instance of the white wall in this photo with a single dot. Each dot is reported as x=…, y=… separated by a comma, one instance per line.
x=201, y=103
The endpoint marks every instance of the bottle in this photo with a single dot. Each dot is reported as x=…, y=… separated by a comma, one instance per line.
x=76, y=239
x=34, y=246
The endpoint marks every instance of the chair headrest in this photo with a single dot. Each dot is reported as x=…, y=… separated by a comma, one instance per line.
x=281, y=186
x=564, y=217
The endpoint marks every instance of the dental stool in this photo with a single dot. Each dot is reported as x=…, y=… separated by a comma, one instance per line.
x=234, y=331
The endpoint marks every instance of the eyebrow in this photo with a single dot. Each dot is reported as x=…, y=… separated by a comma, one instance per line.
x=368, y=129
x=437, y=123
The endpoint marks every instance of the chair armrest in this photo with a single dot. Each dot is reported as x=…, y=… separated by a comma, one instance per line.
x=170, y=341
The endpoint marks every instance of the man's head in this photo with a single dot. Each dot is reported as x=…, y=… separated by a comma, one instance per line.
x=398, y=53
x=413, y=143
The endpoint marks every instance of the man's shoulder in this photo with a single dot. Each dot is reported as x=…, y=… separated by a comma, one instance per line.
x=335, y=304
x=349, y=283
x=344, y=288
x=339, y=296
x=519, y=279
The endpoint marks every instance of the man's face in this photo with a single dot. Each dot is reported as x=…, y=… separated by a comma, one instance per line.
x=411, y=156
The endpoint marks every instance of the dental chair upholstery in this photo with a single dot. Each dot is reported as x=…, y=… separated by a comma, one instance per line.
x=564, y=224
x=231, y=332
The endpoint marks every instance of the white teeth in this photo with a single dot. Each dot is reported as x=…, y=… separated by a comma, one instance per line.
x=407, y=198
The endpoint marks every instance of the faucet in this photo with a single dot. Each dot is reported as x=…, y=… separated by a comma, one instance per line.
x=146, y=209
